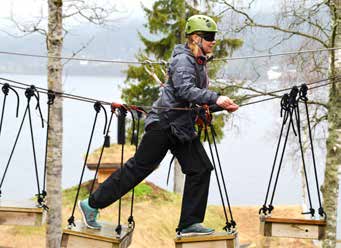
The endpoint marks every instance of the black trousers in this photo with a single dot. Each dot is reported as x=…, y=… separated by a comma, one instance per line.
x=154, y=145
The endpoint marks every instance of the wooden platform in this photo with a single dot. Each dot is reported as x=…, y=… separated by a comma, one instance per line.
x=81, y=236
x=292, y=228
x=23, y=213
x=215, y=240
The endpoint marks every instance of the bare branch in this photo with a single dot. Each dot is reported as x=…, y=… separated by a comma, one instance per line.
x=250, y=22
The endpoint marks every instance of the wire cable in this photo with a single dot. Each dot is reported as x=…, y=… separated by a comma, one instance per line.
x=162, y=62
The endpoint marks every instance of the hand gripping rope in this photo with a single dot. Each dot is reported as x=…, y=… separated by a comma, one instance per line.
x=29, y=93
x=5, y=89
x=290, y=106
x=205, y=116
x=97, y=106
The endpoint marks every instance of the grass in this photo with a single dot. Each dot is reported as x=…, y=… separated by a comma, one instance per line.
x=156, y=214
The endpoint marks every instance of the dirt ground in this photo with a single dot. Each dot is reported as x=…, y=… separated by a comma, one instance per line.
x=156, y=222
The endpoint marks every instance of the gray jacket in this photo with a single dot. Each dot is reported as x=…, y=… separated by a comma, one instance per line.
x=187, y=85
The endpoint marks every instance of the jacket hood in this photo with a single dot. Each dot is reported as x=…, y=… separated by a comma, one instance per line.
x=180, y=48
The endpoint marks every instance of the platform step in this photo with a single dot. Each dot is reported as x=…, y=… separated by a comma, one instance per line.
x=292, y=228
x=23, y=213
x=215, y=240
x=81, y=236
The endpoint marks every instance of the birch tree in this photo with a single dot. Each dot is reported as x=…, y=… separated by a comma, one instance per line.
x=55, y=142
x=74, y=12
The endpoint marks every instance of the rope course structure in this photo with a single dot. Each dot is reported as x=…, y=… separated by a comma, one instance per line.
x=289, y=103
x=295, y=228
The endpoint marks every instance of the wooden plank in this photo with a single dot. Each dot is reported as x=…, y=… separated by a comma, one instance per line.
x=295, y=221
x=20, y=206
x=23, y=213
x=81, y=236
x=293, y=228
x=215, y=240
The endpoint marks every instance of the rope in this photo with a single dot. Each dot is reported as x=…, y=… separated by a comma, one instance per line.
x=298, y=124
x=50, y=96
x=291, y=101
x=135, y=141
x=290, y=104
x=15, y=144
x=207, y=120
x=5, y=89
x=122, y=115
x=232, y=223
x=284, y=106
x=303, y=97
x=30, y=93
x=92, y=100
x=162, y=61
x=71, y=220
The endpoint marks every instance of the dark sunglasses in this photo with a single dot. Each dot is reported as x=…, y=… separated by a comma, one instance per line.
x=209, y=36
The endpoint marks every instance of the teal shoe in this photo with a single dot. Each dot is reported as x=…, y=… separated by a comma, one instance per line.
x=89, y=214
x=196, y=229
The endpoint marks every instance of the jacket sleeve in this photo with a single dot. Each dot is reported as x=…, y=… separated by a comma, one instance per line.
x=184, y=83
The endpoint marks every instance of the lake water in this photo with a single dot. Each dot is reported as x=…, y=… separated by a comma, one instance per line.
x=247, y=149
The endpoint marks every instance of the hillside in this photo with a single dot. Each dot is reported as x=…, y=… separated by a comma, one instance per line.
x=156, y=214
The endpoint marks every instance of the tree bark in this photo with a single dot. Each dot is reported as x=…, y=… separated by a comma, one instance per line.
x=54, y=159
x=333, y=160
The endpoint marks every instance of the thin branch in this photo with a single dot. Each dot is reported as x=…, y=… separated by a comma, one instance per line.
x=251, y=23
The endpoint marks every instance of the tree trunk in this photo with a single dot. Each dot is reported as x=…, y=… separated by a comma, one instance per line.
x=333, y=160
x=54, y=159
x=179, y=178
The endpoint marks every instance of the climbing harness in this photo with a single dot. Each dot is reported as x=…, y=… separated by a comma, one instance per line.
x=291, y=118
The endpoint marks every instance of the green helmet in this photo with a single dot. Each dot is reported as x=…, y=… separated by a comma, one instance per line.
x=200, y=23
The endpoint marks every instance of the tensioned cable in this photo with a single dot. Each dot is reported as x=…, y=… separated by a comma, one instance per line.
x=92, y=100
x=163, y=62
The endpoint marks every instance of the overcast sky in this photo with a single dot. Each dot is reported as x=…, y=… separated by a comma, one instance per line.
x=31, y=8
